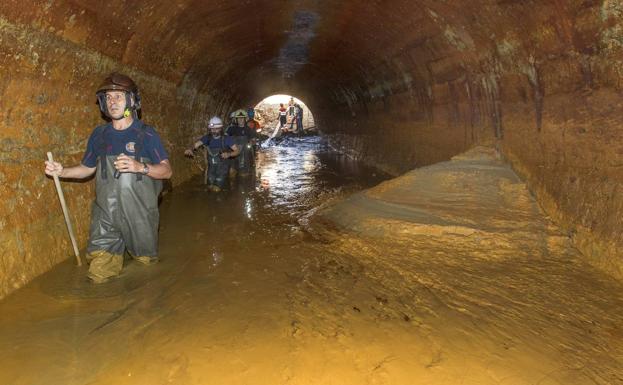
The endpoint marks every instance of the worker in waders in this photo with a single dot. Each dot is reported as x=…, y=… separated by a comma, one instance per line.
x=298, y=115
x=130, y=163
x=243, y=137
x=221, y=150
x=251, y=112
x=253, y=126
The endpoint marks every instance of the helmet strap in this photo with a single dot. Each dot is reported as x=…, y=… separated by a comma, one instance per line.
x=130, y=109
x=128, y=103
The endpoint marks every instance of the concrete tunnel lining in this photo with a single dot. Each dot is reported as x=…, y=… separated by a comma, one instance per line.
x=542, y=81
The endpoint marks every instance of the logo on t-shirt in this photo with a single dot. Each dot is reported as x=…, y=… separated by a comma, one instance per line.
x=129, y=147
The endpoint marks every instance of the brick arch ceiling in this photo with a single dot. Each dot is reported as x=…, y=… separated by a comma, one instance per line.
x=329, y=51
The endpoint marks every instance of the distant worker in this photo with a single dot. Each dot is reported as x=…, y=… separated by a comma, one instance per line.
x=298, y=116
x=253, y=121
x=231, y=123
x=254, y=125
x=282, y=115
x=221, y=150
x=251, y=113
x=130, y=163
x=243, y=136
x=291, y=109
x=291, y=114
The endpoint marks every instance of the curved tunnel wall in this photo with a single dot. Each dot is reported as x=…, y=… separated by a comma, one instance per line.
x=401, y=84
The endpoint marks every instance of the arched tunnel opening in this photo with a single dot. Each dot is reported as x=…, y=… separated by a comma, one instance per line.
x=267, y=112
x=454, y=218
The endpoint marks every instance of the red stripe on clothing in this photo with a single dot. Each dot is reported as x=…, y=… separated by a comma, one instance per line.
x=88, y=155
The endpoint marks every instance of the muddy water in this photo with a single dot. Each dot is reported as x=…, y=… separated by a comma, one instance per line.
x=448, y=275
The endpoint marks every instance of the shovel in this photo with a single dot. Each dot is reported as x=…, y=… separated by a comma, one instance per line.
x=61, y=197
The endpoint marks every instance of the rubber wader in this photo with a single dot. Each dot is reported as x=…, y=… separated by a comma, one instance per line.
x=219, y=168
x=124, y=216
x=243, y=160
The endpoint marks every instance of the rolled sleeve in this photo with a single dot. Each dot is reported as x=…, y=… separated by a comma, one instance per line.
x=157, y=152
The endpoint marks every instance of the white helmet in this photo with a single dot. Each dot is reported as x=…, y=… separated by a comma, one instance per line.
x=215, y=122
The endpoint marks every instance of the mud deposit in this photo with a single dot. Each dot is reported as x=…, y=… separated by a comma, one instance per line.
x=447, y=275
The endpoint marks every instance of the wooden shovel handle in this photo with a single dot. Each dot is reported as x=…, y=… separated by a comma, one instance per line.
x=70, y=229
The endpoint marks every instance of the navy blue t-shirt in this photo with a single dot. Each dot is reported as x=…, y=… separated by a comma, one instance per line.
x=124, y=141
x=234, y=130
x=224, y=142
x=240, y=131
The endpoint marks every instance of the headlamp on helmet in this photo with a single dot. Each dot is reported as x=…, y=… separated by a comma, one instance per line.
x=215, y=122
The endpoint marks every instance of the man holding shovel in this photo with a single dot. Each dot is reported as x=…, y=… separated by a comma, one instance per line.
x=131, y=163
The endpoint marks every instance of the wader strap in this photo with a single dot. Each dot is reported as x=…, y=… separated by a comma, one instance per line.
x=220, y=149
x=140, y=142
x=103, y=151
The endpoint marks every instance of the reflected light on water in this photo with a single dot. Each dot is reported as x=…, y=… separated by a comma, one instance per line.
x=248, y=208
x=288, y=172
x=310, y=162
x=217, y=257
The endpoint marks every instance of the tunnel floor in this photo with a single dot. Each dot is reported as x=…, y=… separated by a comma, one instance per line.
x=449, y=274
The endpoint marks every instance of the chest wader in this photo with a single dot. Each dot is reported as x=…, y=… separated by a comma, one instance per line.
x=218, y=169
x=242, y=162
x=299, y=124
x=124, y=217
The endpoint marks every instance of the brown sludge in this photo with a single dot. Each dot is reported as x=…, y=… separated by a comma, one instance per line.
x=450, y=274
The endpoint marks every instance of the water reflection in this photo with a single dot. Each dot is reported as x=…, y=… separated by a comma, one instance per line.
x=248, y=207
x=295, y=172
x=288, y=171
x=217, y=256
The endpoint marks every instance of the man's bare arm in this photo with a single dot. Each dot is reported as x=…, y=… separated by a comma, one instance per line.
x=76, y=172
x=161, y=170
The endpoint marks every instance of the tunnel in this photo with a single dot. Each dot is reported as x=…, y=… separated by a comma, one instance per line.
x=457, y=218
